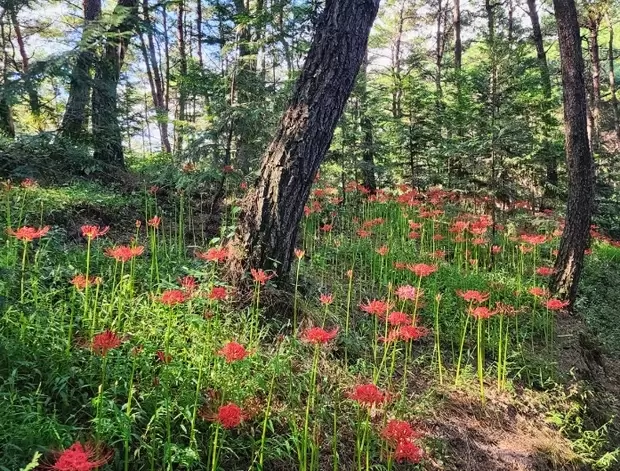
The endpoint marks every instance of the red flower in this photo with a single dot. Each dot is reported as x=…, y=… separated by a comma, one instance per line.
x=364, y=234
x=376, y=307
x=80, y=457
x=233, y=351
x=473, y=296
x=407, y=451
x=397, y=431
x=412, y=332
x=422, y=269
x=214, y=254
x=92, y=232
x=28, y=234
x=80, y=282
x=534, y=239
x=383, y=250
x=230, y=415
x=154, y=222
x=317, y=335
x=544, y=271
x=123, y=253
x=29, y=183
x=326, y=299
x=188, y=283
x=172, y=297
x=399, y=318
x=260, y=276
x=163, y=356
x=228, y=169
x=218, y=293
x=104, y=342
x=556, y=304
x=496, y=249
x=299, y=254
x=481, y=312
x=368, y=395
x=408, y=292
x=327, y=227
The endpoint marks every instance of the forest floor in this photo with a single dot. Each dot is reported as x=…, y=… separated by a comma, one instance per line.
x=543, y=396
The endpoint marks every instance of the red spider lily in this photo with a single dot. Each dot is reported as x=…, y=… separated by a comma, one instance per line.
x=478, y=241
x=407, y=451
x=505, y=309
x=368, y=395
x=439, y=254
x=350, y=273
x=526, y=248
x=317, y=335
x=364, y=234
x=92, y=232
x=473, y=296
x=80, y=282
x=392, y=336
x=398, y=430
x=408, y=292
x=481, y=312
x=398, y=318
x=214, y=254
x=556, y=304
x=123, y=253
x=155, y=221
x=412, y=332
x=400, y=265
x=326, y=299
x=533, y=239
x=29, y=183
x=438, y=237
x=422, y=269
x=104, y=342
x=172, y=297
x=458, y=227
x=28, y=234
x=414, y=226
x=163, y=357
x=80, y=457
x=413, y=235
x=188, y=283
x=544, y=271
x=327, y=227
x=233, y=351
x=376, y=307
x=229, y=415
x=495, y=249
x=383, y=250
x=539, y=292
x=243, y=185
x=299, y=254
x=261, y=276
x=218, y=293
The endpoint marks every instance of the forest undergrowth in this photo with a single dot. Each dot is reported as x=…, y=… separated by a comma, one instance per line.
x=416, y=332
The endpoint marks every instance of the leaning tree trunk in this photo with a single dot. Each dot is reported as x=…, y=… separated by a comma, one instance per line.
x=74, y=119
x=579, y=161
x=107, y=139
x=273, y=208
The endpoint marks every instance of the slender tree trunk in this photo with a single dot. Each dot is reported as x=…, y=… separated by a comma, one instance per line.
x=199, y=35
x=612, y=78
x=182, y=76
x=7, y=126
x=458, y=46
x=368, y=152
x=273, y=209
x=397, y=91
x=107, y=139
x=579, y=160
x=549, y=157
x=75, y=119
x=594, y=22
x=33, y=95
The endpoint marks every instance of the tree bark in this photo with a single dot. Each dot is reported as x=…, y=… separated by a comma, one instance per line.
x=181, y=77
x=579, y=160
x=107, y=139
x=458, y=46
x=75, y=117
x=7, y=126
x=593, y=25
x=273, y=208
x=612, y=78
x=550, y=160
x=397, y=91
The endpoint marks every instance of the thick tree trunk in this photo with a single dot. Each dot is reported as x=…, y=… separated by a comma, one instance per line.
x=612, y=79
x=107, y=139
x=75, y=117
x=579, y=160
x=551, y=163
x=368, y=152
x=274, y=207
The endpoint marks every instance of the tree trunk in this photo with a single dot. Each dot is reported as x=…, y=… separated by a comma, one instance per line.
x=181, y=77
x=593, y=25
x=551, y=163
x=7, y=126
x=579, y=160
x=273, y=209
x=458, y=46
x=368, y=152
x=75, y=117
x=107, y=139
x=199, y=34
x=397, y=92
x=612, y=79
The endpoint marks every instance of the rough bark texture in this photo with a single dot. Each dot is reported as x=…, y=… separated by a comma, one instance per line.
x=458, y=46
x=612, y=78
x=107, y=140
x=274, y=207
x=545, y=79
x=75, y=117
x=579, y=161
x=593, y=25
